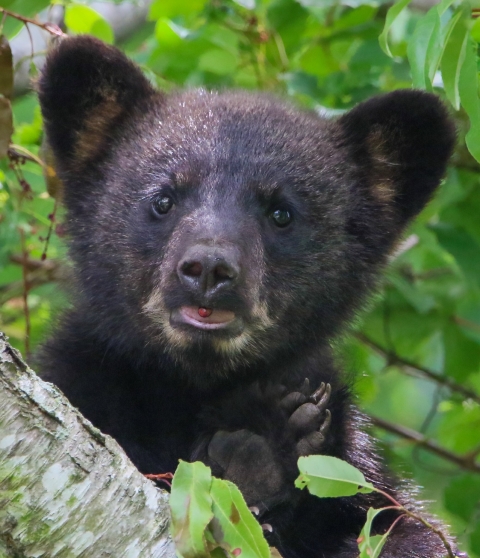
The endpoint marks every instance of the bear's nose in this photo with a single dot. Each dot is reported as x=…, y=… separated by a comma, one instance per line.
x=205, y=270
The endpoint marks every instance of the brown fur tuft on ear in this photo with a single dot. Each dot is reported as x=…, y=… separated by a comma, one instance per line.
x=98, y=121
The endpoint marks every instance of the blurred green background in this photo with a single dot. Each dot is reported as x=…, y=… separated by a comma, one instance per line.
x=415, y=351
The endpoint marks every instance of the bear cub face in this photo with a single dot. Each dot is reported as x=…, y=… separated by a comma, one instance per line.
x=226, y=229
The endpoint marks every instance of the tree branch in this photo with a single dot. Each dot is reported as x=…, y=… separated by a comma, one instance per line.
x=394, y=360
x=31, y=43
x=466, y=461
x=66, y=488
x=38, y=273
x=51, y=28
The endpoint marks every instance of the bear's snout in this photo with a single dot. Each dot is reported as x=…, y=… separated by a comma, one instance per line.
x=207, y=270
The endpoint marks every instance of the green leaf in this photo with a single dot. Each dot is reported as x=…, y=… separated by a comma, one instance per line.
x=468, y=315
x=83, y=19
x=468, y=91
x=289, y=19
x=475, y=539
x=222, y=38
x=375, y=546
x=233, y=526
x=392, y=15
x=173, y=8
x=462, y=495
x=475, y=30
x=166, y=35
x=371, y=546
x=421, y=301
x=424, y=49
x=458, y=428
x=218, y=62
x=301, y=83
x=454, y=55
x=465, y=214
x=191, y=509
x=355, y=17
x=317, y=60
x=330, y=477
x=444, y=5
x=462, y=354
x=463, y=248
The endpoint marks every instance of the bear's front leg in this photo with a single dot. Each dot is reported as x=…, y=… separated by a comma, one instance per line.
x=262, y=464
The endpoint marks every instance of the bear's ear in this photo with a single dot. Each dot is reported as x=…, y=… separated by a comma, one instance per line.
x=86, y=89
x=401, y=143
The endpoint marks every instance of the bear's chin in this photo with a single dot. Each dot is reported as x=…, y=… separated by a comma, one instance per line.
x=209, y=355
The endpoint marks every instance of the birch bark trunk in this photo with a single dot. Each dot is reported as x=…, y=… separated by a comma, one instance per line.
x=66, y=489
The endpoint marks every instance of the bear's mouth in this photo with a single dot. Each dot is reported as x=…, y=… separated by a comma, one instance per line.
x=204, y=318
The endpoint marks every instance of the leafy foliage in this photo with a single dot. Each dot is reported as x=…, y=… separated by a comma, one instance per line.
x=210, y=517
x=370, y=546
x=417, y=347
x=330, y=477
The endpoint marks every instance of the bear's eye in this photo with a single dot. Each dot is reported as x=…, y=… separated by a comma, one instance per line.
x=281, y=217
x=162, y=204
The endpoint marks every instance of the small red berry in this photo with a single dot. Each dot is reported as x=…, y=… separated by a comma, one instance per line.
x=205, y=312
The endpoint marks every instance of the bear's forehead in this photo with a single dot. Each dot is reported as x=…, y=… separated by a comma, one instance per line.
x=249, y=138
x=239, y=117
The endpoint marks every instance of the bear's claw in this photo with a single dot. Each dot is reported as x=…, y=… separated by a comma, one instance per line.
x=309, y=417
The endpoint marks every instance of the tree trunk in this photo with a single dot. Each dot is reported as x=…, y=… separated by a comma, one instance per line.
x=66, y=489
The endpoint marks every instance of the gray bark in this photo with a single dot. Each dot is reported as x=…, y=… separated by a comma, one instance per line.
x=66, y=489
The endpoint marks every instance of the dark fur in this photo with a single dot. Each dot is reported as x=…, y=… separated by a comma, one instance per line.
x=229, y=159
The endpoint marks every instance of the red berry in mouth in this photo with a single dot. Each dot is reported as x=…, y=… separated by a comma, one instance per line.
x=205, y=312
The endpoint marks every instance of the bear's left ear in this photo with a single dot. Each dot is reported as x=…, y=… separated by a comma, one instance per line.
x=86, y=90
x=401, y=143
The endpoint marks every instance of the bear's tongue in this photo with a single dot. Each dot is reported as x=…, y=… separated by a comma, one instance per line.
x=208, y=315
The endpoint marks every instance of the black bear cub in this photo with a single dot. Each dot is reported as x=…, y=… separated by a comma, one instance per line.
x=220, y=242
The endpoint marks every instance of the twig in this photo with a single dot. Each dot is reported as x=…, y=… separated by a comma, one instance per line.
x=32, y=50
x=26, y=288
x=394, y=359
x=38, y=273
x=32, y=264
x=21, y=60
x=471, y=456
x=14, y=290
x=432, y=413
x=52, y=218
x=25, y=193
x=282, y=53
x=419, y=518
x=49, y=27
x=398, y=506
x=2, y=23
x=466, y=323
x=18, y=152
x=403, y=510
x=466, y=461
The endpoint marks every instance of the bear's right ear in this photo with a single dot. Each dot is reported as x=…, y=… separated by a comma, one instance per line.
x=86, y=89
x=401, y=143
